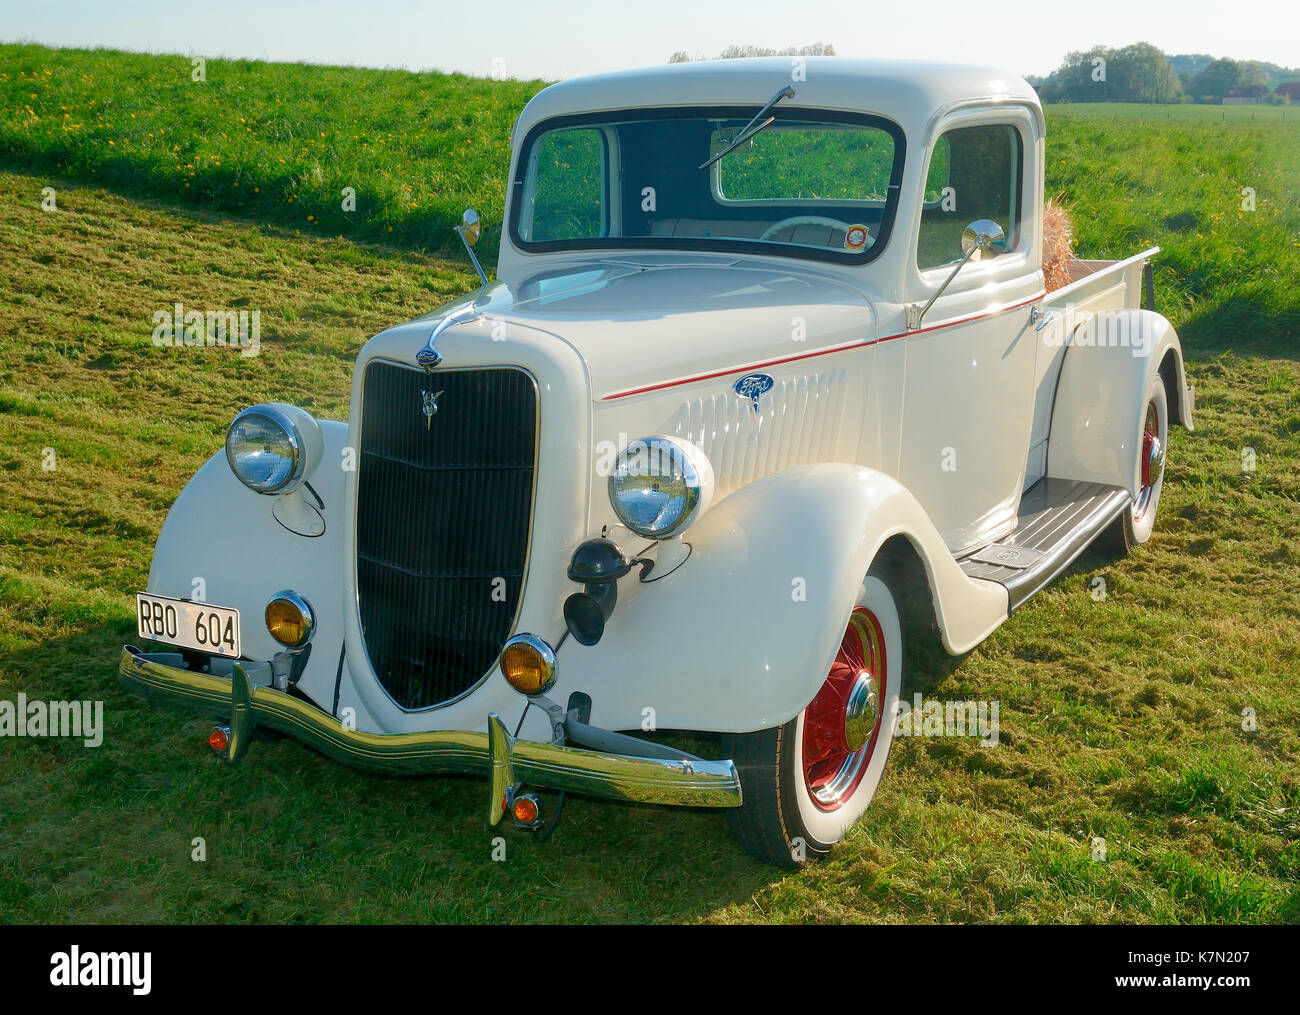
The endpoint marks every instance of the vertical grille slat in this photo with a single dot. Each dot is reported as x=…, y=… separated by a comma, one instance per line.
x=442, y=511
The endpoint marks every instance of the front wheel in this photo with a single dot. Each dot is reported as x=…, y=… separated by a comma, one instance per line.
x=806, y=783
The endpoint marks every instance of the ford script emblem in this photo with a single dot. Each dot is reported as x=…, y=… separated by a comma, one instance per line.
x=753, y=387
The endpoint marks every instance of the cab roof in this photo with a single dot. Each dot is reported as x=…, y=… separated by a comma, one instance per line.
x=908, y=92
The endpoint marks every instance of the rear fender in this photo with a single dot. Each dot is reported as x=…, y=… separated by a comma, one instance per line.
x=1101, y=396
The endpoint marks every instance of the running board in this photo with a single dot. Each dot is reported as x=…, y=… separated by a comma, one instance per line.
x=1058, y=519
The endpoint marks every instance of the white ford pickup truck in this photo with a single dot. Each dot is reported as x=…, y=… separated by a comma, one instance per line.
x=768, y=355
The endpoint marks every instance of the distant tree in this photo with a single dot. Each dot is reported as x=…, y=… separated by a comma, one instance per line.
x=1188, y=65
x=1252, y=74
x=1148, y=75
x=1137, y=73
x=1089, y=76
x=1217, y=78
x=743, y=52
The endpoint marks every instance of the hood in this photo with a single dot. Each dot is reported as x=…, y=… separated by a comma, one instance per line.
x=644, y=320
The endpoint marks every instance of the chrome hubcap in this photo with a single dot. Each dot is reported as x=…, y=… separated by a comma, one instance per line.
x=1152, y=460
x=1156, y=461
x=861, y=711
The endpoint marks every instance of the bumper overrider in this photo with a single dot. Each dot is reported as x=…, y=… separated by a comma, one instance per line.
x=652, y=773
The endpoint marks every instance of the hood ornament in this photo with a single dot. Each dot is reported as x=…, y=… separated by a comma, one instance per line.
x=753, y=387
x=429, y=407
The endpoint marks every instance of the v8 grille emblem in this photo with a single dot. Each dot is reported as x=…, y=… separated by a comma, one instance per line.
x=429, y=406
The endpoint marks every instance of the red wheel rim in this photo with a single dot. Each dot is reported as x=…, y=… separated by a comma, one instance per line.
x=832, y=767
x=1152, y=461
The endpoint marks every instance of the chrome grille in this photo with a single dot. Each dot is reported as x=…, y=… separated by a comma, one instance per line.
x=444, y=507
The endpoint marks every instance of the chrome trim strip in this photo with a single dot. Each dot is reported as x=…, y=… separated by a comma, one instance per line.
x=160, y=677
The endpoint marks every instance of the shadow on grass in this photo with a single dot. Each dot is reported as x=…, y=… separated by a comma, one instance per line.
x=1252, y=324
x=108, y=834
x=437, y=242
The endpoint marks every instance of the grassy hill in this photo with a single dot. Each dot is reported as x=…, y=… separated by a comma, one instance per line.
x=277, y=142
x=1120, y=719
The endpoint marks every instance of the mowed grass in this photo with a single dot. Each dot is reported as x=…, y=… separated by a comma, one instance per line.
x=1120, y=719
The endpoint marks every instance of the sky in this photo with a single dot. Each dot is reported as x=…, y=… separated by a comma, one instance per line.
x=554, y=39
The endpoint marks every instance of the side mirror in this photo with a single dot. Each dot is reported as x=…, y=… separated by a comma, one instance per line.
x=469, y=227
x=983, y=235
x=468, y=231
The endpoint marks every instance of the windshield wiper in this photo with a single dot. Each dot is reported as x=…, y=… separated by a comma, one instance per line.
x=753, y=127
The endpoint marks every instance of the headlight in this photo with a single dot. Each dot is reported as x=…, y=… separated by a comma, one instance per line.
x=272, y=448
x=660, y=485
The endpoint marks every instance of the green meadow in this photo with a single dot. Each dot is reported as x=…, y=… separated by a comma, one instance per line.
x=1164, y=719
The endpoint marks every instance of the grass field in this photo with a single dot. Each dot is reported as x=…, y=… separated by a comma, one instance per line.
x=278, y=142
x=1120, y=719
x=1183, y=113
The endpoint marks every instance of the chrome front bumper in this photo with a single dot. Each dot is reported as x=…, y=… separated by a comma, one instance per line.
x=508, y=763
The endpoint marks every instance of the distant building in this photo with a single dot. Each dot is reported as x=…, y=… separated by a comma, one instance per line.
x=1247, y=95
x=1289, y=89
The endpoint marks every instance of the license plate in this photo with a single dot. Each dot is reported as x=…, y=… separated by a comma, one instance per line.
x=199, y=626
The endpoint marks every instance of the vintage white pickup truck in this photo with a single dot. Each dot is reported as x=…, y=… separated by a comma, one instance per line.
x=768, y=353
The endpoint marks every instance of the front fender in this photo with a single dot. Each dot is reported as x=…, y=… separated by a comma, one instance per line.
x=1101, y=396
x=741, y=636
x=221, y=540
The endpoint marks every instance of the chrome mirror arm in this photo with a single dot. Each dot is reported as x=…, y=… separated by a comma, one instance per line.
x=939, y=292
x=980, y=235
x=469, y=249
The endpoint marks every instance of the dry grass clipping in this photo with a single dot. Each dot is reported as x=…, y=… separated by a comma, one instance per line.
x=1058, y=244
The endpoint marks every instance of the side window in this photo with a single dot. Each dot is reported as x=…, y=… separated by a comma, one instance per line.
x=974, y=173
x=570, y=187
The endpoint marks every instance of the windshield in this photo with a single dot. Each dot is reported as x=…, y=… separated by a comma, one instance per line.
x=819, y=185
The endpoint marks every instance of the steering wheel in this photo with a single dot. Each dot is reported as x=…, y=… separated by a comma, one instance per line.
x=806, y=220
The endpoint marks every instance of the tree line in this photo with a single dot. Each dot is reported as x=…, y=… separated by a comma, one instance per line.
x=1143, y=73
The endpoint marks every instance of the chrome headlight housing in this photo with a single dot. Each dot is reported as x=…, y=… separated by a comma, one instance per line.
x=272, y=448
x=660, y=485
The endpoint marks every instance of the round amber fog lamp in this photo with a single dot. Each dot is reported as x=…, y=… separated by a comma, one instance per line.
x=528, y=664
x=289, y=619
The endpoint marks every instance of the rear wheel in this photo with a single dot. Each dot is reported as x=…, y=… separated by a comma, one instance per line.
x=806, y=783
x=1134, y=526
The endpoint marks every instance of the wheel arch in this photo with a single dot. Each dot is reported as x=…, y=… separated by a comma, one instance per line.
x=741, y=652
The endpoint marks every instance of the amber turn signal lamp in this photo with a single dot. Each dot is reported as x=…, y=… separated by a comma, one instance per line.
x=289, y=619
x=528, y=664
x=526, y=809
x=219, y=739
